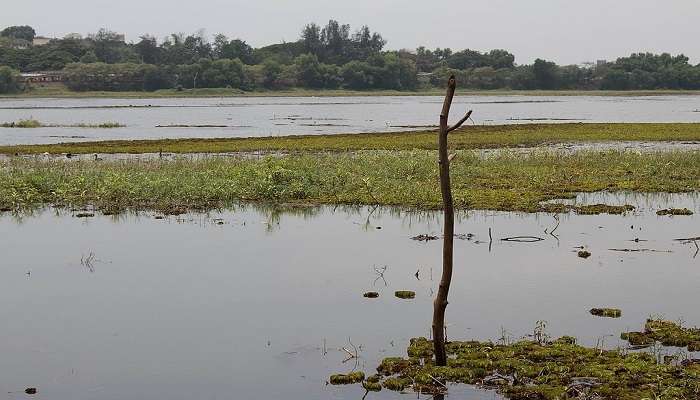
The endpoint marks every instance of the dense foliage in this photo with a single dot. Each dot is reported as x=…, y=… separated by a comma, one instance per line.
x=9, y=80
x=328, y=57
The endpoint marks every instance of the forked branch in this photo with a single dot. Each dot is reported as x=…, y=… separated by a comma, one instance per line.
x=460, y=122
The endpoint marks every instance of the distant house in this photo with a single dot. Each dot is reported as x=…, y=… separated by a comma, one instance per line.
x=73, y=36
x=42, y=77
x=41, y=40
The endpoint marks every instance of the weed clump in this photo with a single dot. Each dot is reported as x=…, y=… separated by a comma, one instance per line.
x=343, y=379
x=584, y=254
x=674, y=211
x=371, y=295
x=668, y=333
x=548, y=370
x=405, y=294
x=606, y=312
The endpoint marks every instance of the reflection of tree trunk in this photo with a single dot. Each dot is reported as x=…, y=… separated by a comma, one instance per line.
x=440, y=303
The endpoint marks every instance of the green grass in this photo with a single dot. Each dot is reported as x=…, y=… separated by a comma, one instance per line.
x=505, y=181
x=59, y=90
x=472, y=137
x=23, y=123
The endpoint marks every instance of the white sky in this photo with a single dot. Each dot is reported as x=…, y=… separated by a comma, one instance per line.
x=565, y=31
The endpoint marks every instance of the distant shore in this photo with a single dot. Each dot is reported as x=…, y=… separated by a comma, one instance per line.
x=62, y=92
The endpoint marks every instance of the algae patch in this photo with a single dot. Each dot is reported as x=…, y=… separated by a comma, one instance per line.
x=347, y=379
x=550, y=370
x=668, y=333
x=405, y=294
x=606, y=312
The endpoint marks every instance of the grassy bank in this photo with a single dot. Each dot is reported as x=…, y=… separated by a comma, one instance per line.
x=56, y=90
x=472, y=137
x=407, y=178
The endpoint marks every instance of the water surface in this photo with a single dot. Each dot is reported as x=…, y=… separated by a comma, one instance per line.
x=269, y=116
x=242, y=303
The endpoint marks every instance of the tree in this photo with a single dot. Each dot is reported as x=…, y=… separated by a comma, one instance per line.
x=235, y=49
x=545, y=73
x=148, y=50
x=88, y=58
x=309, y=70
x=440, y=303
x=10, y=80
x=19, y=32
x=311, y=39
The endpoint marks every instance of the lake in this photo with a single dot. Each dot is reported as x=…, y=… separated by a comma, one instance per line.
x=270, y=116
x=256, y=302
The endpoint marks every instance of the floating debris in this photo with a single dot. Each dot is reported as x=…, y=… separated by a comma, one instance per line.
x=606, y=312
x=84, y=215
x=405, y=294
x=584, y=254
x=371, y=295
x=674, y=211
x=424, y=238
x=30, y=390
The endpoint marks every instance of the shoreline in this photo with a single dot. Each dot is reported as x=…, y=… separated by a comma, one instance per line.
x=49, y=93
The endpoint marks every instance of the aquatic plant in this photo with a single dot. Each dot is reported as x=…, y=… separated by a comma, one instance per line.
x=509, y=182
x=550, y=370
x=606, y=312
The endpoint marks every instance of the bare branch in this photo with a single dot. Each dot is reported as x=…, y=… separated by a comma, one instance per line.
x=460, y=122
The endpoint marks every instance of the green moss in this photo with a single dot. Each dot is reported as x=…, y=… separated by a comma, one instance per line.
x=372, y=386
x=674, y=211
x=596, y=209
x=343, y=379
x=405, y=294
x=606, y=312
x=668, y=333
x=396, y=384
x=551, y=371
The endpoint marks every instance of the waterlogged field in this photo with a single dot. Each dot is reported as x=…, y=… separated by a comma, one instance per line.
x=258, y=302
x=220, y=117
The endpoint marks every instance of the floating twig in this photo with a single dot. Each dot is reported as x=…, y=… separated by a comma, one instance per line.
x=523, y=239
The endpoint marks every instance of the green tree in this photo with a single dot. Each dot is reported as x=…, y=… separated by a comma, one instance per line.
x=23, y=32
x=10, y=80
x=545, y=74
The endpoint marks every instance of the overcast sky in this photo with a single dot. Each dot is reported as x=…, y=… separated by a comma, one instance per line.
x=565, y=31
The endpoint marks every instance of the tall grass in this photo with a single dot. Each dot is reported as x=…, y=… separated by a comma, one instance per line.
x=505, y=181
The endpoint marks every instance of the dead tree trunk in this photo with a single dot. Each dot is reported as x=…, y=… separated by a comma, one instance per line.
x=440, y=303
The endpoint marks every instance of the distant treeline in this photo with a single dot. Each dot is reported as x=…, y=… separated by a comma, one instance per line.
x=328, y=57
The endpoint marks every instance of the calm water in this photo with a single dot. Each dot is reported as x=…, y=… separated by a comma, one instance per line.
x=263, y=116
x=185, y=308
